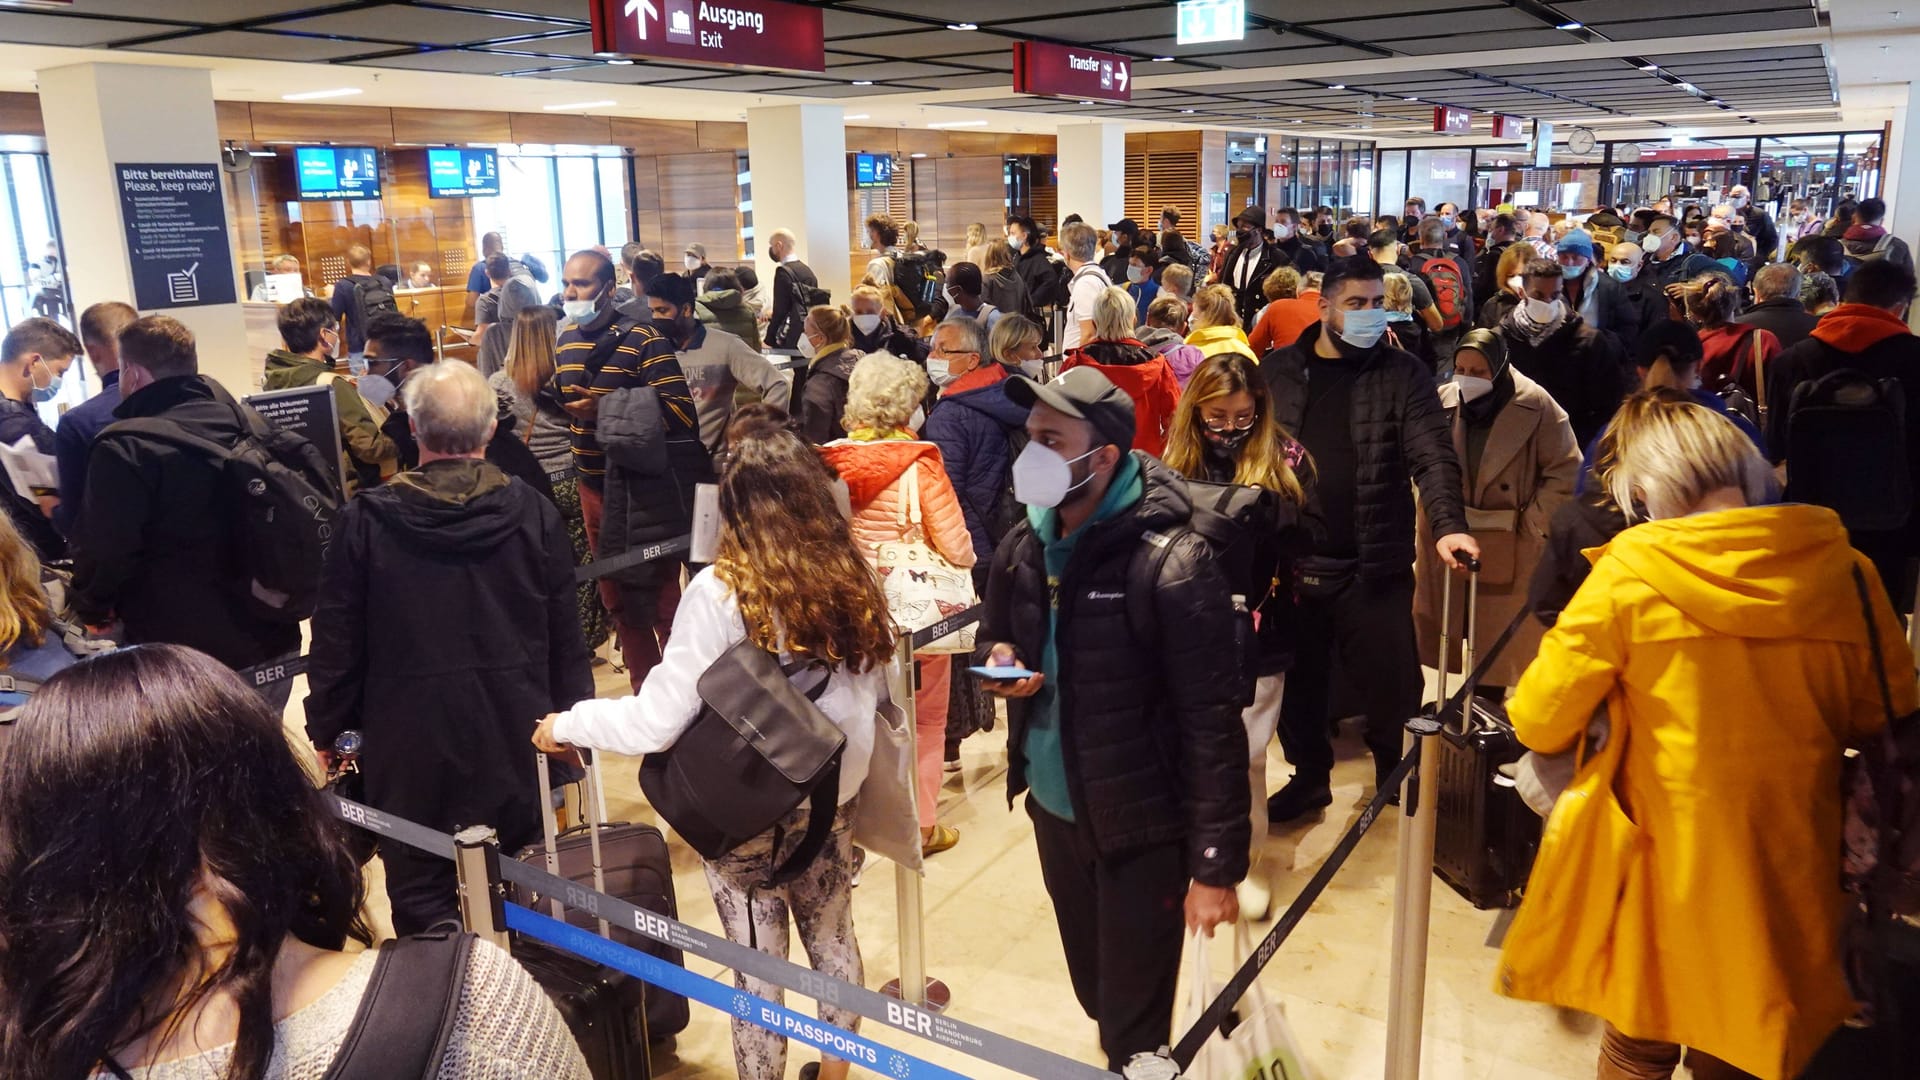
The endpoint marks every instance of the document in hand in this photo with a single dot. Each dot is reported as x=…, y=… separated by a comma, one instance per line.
x=31, y=472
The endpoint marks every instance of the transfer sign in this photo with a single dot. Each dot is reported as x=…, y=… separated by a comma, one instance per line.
x=742, y=33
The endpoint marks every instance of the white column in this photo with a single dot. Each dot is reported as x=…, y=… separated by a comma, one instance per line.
x=1093, y=172
x=798, y=154
x=99, y=116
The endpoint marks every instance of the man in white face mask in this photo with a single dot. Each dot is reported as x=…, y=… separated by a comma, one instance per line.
x=695, y=259
x=1116, y=606
x=1582, y=368
x=1370, y=417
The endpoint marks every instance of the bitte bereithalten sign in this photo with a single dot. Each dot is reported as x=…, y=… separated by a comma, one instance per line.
x=177, y=245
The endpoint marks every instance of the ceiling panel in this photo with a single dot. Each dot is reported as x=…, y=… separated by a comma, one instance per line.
x=30, y=29
x=468, y=63
x=552, y=9
x=1706, y=24
x=220, y=12
x=1324, y=54
x=1002, y=60
x=615, y=74
x=922, y=42
x=1091, y=26
x=563, y=45
x=978, y=11
x=1484, y=21
x=842, y=23
x=263, y=46
x=1514, y=39
x=1291, y=10
x=426, y=26
x=898, y=69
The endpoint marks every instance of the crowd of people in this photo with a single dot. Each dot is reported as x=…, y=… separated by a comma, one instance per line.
x=1227, y=513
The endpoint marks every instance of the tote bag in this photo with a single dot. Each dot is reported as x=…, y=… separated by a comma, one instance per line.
x=886, y=820
x=921, y=586
x=1258, y=1043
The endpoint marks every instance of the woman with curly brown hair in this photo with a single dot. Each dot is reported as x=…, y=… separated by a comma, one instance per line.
x=789, y=577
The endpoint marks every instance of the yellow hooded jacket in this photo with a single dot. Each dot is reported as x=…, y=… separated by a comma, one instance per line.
x=1687, y=886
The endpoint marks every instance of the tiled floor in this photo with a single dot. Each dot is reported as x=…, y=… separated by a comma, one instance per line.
x=990, y=936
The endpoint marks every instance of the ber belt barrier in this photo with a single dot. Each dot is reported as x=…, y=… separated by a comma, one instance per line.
x=1025, y=1059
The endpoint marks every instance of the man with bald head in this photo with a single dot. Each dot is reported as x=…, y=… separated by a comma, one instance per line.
x=1776, y=305
x=1627, y=264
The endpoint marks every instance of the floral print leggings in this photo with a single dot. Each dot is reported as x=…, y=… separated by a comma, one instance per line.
x=821, y=900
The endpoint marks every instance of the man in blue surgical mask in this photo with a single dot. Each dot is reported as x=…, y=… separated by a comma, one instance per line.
x=1122, y=627
x=32, y=359
x=1371, y=418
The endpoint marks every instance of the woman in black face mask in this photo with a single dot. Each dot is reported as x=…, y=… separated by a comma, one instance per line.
x=1223, y=433
x=1519, y=461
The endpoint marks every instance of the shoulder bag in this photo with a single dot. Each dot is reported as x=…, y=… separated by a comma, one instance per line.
x=921, y=586
x=759, y=748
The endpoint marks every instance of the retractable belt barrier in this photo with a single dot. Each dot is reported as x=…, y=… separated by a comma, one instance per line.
x=988, y=1046
x=645, y=553
x=261, y=676
x=957, y=621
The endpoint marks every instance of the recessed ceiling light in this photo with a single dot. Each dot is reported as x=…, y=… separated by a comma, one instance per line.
x=959, y=124
x=1189, y=112
x=1162, y=59
x=1338, y=86
x=916, y=155
x=316, y=95
x=857, y=116
x=863, y=82
x=961, y=26
x=579, y=105
x=620, y=61
x=1569, y=26
x=1649, y=67
x=1086, y=103
x=1413, y=99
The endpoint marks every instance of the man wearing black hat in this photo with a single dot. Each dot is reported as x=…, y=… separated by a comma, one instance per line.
x=1126, y=737
x=1249, y=263
x=1122, y=235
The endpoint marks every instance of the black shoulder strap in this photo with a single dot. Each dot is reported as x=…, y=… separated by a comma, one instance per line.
x=173, y=433
x=406, y=1016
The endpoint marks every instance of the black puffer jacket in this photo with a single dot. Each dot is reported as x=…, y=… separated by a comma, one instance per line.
x=1401, y=436
x=1583, y=369
x=1150, y=721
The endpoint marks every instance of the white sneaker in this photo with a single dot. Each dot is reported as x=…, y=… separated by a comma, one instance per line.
x=1255, y=899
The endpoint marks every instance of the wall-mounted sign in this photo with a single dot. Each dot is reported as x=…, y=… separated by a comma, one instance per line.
x=1685, y=153
x=1279, y=172
x=177, y=244
x=1449, y=166
x=1041, y=67
x=1452, y=121
x=737, y=33
x=307, y=411
x=1509, y=127
x=1542, y=144
x=1198, y=22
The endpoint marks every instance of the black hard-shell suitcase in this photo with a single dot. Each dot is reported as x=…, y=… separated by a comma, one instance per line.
x=608, y=1010
x=1485, y=837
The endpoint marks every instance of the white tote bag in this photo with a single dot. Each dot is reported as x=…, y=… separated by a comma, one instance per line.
x=921, y=586
x=886, y=820
x=1259, y=1044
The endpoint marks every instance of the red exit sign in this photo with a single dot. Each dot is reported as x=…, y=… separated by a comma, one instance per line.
x=1278, y=172
x=1041, y=67
x=737, y=33
x=1452, y=121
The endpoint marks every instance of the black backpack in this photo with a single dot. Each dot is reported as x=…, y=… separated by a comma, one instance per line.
x=372, y=296
x=1847, y=449
x=914, y=275
x=407, y=1014
x=280, y=500
x=1008, y=511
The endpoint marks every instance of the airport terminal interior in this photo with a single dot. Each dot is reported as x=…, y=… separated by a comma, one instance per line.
x=220, y=162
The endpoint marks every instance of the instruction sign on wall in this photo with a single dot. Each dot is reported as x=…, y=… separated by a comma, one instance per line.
x=177, y=243
x=307, y=411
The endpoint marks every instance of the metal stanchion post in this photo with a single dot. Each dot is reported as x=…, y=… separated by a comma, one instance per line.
x=476, y=860
x=913, y=986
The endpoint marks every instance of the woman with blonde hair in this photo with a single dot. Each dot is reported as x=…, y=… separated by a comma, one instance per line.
x=33, y=644
x=525, y=381
x=1224, y=432
x=976, y=245
x=1404, y=331
x=1687, y=889
x=878, y=325
x=891, y=474
x=1213, y=327
x=1116, y=353
x=827, y=335
x=790, y=578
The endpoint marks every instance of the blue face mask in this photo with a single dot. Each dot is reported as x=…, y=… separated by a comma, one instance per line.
x=1621, y=271
x=52, y=389
x=1363, y=329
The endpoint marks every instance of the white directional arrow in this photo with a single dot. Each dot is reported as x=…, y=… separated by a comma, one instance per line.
x=1120, y=75
x=642, y=10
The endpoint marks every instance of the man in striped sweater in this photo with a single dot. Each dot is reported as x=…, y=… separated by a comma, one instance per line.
x=601, y=351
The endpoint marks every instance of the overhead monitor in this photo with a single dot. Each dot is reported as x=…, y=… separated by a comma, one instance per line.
x=872, y=170
x=337, y=172
x=462, y=172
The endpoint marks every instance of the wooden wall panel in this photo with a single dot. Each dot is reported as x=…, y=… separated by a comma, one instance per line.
x=1213, y=178
x=715, y=135
x=1158, y=179
x=872, y=140
x=970, y=189
x=1173, y=140
x=973, y=143
x=561, y=128
x=930, y=143
x=234, y=119
x=925, y=194
x=450, y=126
x=294, y=122
x=20, y=115
x=654, y=137
x=699, y=203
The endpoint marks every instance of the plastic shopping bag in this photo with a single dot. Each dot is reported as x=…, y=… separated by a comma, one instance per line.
x=1256, y=1044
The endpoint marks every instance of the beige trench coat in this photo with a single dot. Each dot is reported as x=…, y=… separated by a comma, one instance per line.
x=1527, y=470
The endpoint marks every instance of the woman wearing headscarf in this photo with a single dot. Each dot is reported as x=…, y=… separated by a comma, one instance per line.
x=1518, y=463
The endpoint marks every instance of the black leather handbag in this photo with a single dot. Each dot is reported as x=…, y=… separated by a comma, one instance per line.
x=759, y=748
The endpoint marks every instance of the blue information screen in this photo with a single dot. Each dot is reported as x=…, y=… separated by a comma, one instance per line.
x=338, y=172
x=872, y=170
x=458, y=173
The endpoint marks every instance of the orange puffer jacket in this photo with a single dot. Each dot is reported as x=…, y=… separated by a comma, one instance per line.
x=873, y=471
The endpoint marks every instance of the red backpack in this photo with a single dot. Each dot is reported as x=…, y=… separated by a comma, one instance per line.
x=1449, y=288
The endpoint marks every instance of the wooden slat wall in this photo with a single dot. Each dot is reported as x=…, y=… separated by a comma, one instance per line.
x=698, y=197
x=451, y=126
x=925, y=199
x=20, y=115
x=552, y=128
x=652, y=138
x=293, y=122
x=1161, y=178
x=971, y=189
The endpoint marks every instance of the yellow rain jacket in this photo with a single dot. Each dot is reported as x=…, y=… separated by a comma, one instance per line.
x=1687, y=886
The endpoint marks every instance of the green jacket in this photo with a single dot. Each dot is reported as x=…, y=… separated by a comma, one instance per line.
x=370, y=455
x=728, y=310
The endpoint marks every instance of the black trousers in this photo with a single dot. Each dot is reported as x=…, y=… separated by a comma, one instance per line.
x=1122, y=924
x=424, y=889
x=1371, y=624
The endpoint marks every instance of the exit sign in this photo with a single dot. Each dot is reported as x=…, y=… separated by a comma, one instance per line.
x=1201, y=22
x=742, y=33
x=1278, y=172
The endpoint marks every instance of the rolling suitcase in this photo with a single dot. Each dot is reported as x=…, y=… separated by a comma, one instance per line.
x=608, y=1010
x=1485, y=837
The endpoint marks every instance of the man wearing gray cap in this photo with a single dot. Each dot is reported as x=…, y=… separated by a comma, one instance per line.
x=696, y=261
x=1124, y=724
